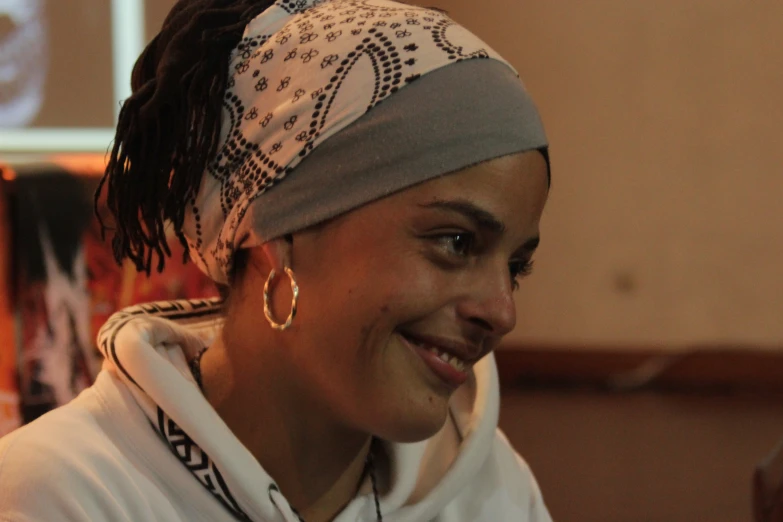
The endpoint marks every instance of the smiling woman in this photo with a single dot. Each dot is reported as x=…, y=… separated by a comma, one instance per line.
x=366, y=180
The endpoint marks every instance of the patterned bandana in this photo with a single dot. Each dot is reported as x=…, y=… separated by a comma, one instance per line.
x=304, y=71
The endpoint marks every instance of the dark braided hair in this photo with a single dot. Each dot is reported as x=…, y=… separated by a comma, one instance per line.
x=168, y=129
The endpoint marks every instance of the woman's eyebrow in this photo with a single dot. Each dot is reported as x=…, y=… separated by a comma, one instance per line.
x=482, y=218
x=531, y=244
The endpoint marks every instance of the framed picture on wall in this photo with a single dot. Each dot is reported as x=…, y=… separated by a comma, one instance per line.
x=64, y=68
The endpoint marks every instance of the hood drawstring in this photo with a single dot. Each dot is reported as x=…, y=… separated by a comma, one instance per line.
x=369, y=466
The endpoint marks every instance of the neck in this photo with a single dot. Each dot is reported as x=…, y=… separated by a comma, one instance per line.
x=317, y=463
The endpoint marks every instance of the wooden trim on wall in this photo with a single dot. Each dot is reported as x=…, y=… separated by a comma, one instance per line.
x=703, y=368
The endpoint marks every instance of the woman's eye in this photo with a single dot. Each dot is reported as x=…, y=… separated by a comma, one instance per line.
x=519, y=268
x=458, y=243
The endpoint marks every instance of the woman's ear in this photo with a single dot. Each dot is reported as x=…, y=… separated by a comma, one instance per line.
x=277, y=253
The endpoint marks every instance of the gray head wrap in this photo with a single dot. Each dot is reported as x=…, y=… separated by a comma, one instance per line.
x=305, y=136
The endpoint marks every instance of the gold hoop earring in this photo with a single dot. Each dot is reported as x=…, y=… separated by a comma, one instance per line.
x=294, y=300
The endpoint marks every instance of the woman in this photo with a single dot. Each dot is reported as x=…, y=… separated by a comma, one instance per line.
x=300, y=151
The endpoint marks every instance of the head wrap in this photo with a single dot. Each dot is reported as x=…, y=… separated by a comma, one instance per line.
x=307, y=79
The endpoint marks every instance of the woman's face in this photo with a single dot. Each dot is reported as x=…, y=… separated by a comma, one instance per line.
x=387, y=288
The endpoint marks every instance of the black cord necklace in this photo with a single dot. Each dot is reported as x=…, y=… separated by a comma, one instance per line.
x=369, y=461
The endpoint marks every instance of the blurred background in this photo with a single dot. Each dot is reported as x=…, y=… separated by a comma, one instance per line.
x=644, y=380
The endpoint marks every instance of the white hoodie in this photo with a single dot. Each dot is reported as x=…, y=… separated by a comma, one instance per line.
x=143, y=444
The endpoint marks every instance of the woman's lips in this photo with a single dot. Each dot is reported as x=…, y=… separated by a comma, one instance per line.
x=447, y=373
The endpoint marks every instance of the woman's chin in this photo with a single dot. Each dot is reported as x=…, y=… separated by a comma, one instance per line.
x=415, y=426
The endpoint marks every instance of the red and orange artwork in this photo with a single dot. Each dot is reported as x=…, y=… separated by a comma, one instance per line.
x=66, y=284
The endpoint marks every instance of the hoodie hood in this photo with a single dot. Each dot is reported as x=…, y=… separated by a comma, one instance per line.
x=148, y=347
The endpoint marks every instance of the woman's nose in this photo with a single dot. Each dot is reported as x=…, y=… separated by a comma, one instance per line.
x=489, y=302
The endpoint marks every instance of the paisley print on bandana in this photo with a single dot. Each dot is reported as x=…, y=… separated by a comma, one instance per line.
x=304, y=70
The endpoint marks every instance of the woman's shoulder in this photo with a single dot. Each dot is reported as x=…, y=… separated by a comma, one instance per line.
x=46, y=467
x=72, y=463
x=516, y=482
x=54, y=435
x=77, y=433
x=501, y=488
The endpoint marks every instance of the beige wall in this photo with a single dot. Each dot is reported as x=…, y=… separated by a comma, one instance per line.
x=665, y=224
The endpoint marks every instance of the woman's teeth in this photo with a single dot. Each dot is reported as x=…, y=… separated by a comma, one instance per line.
x=455, y=362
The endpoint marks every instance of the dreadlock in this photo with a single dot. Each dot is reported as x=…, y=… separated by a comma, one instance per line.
x=169, y=127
